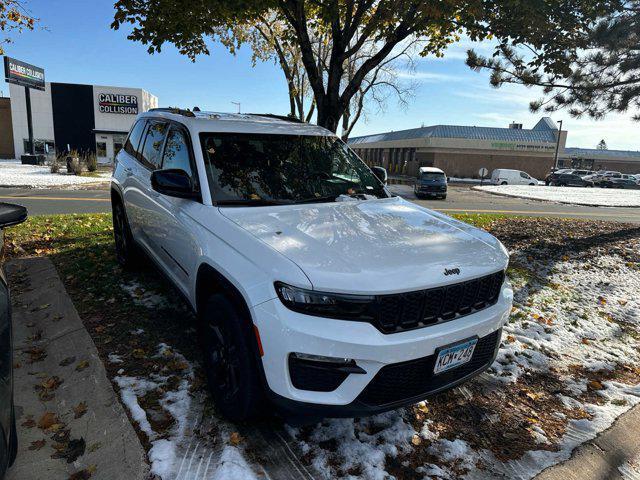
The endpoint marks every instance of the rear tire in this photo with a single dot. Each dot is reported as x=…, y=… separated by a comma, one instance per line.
x=230, y=360
x=127, y=253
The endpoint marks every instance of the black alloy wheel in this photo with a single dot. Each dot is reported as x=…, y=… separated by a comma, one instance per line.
x=230, y=360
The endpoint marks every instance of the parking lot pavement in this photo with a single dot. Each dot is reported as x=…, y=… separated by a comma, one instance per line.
x=462, y=199
x=68, y=417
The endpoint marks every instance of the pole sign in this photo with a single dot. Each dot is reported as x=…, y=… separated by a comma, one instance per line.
x=24, y=74
x=118, y=103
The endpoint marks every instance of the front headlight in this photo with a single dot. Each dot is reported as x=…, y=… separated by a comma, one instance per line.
x=323, y=304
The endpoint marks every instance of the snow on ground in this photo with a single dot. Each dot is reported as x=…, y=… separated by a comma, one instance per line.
x=630, y=470
x=569, y=320
x=144, y=297
x=14, y=174
x=601, y=197
x=187, y=443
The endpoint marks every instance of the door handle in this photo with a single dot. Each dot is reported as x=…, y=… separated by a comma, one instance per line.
x=128, y=171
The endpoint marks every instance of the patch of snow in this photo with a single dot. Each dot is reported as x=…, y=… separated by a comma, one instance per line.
x=14, y=174
x=630, y=470
x=145, y=297
x=184, y=451
x=602, y=197
x=130, y=389
x=232, y=465
x=114, y=358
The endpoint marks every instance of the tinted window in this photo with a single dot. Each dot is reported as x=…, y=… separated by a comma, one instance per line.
x=176, y=151
x=524, y=175
x=131, y=145
x=153, y=142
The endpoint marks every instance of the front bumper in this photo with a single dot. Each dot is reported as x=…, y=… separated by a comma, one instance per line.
x=283, y=332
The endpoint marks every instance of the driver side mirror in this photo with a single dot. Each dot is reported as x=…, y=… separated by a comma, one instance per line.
x=173, y=183
x=11, y=214
x=381, y=173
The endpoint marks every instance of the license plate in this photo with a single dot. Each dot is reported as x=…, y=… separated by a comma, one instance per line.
x=453, y=356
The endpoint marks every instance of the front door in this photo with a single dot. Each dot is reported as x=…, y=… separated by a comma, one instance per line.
x=175, y=234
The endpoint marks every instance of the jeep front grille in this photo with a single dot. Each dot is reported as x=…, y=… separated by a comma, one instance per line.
x=406, y=311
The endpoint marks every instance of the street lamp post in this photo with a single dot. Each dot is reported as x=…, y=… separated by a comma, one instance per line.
x=555, y=159
x=237, y=104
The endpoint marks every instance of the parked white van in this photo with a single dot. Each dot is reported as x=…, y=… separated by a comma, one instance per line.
x=503, y=176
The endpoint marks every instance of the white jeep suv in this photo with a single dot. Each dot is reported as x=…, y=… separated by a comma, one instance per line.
x=316, y=290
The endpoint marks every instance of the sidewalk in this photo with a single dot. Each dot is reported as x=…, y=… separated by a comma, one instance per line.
x=68, y=417
x=612, y=455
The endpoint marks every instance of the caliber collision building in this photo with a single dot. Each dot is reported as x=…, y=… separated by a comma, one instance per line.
x=87, y=118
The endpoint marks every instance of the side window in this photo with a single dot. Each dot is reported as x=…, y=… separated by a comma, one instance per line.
x=133, y=141
x=176, y=151
x=524, y=175
x=153, y=142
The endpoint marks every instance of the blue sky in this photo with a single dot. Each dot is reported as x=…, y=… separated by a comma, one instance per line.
x=76, y=45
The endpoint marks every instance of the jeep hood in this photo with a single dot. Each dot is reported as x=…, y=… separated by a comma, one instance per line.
x=375, y=246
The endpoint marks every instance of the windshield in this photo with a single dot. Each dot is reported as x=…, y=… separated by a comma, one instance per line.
x=273, y=168
x=432, y=176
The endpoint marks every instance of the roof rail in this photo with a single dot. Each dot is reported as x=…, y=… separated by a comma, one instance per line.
x=178, y=111
x=287, y=118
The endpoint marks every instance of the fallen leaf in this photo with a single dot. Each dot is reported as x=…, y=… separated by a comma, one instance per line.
x=71, y=451
x=235, y=438
x=595, y=385
x=94, y=446
x=67, y=361
x=84, y=474
x=416, y=440
x=82, y=365
x=585, y=341
x=47, y=420
x=38, y=444
x=79, y=410
x=29, y=423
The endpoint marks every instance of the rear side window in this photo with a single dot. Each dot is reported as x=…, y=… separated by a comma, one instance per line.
x=153, y=143
x=176, y=151
x=131, y=145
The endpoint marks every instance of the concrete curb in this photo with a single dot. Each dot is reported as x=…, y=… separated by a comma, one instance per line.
x=601, y=458
x=580, y=204
x=46, y=321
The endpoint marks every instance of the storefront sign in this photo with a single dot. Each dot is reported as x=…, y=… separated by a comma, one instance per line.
x=118, y=103
x=21, y=73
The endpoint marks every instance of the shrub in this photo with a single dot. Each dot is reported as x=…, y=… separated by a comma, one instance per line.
x=55, y=166
x=92, y=162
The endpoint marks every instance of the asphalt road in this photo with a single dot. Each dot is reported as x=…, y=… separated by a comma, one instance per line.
x=460, y=199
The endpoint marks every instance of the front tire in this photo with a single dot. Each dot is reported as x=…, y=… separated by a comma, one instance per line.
x=230, y=360
x=504, y=183
x=127, y=254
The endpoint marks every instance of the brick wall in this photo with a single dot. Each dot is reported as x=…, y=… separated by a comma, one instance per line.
x=466, y=165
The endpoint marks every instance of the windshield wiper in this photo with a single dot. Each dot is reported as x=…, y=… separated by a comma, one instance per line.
x=329, y=198
x=253, y=202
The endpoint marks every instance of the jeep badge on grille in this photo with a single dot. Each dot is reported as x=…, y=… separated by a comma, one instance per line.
x=452, y=271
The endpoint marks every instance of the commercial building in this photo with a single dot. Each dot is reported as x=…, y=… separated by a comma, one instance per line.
x=461, y=151
x=86, y=118
x=625, y=161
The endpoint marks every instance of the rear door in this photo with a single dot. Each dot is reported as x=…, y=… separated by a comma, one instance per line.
x=141, y=199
